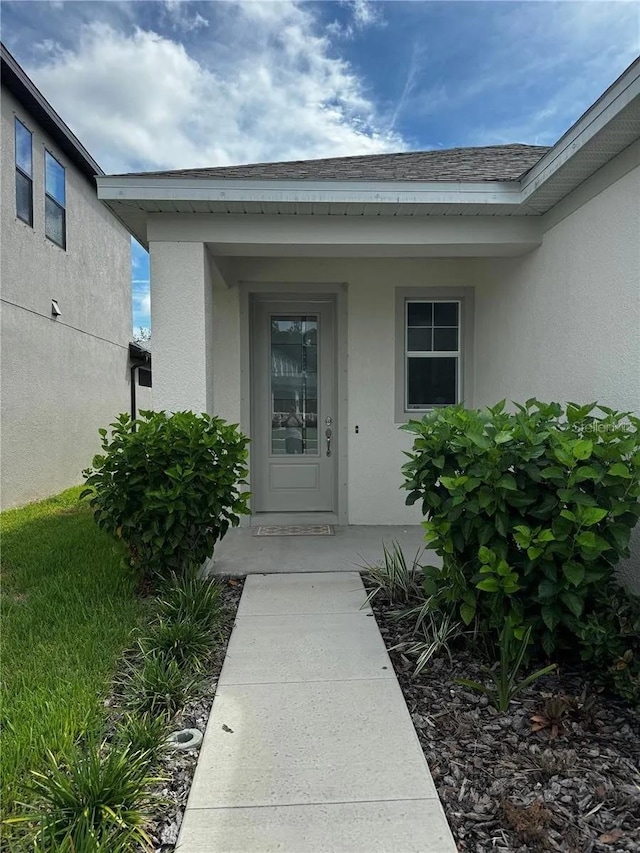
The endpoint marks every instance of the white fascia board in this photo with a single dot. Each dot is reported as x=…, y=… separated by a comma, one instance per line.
x=625, y=89
x=344, y=192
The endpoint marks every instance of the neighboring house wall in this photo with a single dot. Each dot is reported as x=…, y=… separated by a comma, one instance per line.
x=61, y=379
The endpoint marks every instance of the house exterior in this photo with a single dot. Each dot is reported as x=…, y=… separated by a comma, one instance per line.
x=321, y=304
x=66, y=299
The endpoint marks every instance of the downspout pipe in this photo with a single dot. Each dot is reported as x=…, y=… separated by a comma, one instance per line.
x=133, y=380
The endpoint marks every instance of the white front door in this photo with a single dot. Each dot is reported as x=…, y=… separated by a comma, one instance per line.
x=293, y=448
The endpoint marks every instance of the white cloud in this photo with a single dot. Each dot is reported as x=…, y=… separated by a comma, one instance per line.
x=364, y=13
x=142, y=301
x=177, y=13
x=268, y=89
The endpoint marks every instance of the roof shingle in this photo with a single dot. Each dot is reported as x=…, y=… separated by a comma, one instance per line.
x=491, y=163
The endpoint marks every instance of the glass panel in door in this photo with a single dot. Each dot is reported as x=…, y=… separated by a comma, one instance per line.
x=294, y=385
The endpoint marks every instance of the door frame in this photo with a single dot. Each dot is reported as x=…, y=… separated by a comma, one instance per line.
x=251, y=292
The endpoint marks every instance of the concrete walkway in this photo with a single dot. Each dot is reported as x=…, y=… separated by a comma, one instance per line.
x=310, y=747
x=242, y=552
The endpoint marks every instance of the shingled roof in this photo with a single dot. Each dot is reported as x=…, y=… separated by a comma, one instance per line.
x=491, y=163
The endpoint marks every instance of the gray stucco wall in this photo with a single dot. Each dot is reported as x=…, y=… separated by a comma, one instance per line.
x=62, y=379
x=563, y=322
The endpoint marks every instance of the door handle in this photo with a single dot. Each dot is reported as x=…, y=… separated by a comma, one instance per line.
x=327, y=434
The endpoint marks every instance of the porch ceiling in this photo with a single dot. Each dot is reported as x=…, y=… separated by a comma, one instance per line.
x=347, y=237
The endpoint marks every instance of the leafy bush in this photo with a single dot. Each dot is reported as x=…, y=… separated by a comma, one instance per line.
x=168, y=487
x=530, y=512
x=190, y=597
x=185, y=641
x=96, y=799
x=610, y=639
x=158, y=686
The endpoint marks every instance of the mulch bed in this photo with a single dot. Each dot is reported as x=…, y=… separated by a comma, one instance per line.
x=507, y=789
x=177, y=767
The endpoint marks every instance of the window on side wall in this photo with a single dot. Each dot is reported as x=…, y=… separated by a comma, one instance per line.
x=55, y=214
x=24, y=173
x=433, y=331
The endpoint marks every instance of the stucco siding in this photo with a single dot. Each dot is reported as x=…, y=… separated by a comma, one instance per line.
x=57, y=391
x=563, y=323
x=227, y=384
x=182, y=306
x=61, y=379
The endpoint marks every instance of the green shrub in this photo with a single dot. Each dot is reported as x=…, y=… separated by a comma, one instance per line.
x=190, y=597
x=185, y=641
x=94, y=799
x=530, y=512
x=610, y=639
x=168, y=487
x=158, y=686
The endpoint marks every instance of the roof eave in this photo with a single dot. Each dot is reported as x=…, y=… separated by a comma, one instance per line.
x=603, y=112
x=562, y=169
x=305, y=191
x=27, y=93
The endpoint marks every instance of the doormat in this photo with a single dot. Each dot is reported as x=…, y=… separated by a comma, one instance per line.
x=294, y=530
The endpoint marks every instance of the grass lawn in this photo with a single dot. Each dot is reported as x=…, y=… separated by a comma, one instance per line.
x=67, y=612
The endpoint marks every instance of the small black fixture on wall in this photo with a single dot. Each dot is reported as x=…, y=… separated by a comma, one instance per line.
x=140, y=364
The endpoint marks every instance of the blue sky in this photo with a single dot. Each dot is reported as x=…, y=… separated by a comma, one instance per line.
x=178, y=84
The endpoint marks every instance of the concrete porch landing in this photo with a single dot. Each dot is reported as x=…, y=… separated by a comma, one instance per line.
x=310, y=747
x=241, y=552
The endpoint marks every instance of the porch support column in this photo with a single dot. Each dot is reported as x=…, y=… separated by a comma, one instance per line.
x=182, y=324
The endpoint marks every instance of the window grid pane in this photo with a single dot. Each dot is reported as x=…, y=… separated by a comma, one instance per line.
x=432, y=353
x=419, y=339
x=432, y=382
x=445, y=314
x=54, y=222
x=24, y=198
x=54, y=179
x=24, y=157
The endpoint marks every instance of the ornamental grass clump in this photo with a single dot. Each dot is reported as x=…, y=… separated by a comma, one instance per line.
x=144, y=733
x=169, y=487
x=96, y=798
x=531, y=511
x=184, y=640
x=394, y=578
x=158, y=686
x=191, y=597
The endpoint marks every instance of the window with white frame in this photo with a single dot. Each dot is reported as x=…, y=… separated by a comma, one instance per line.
x=55, y=225
x=432, y=353
x=24, y=172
